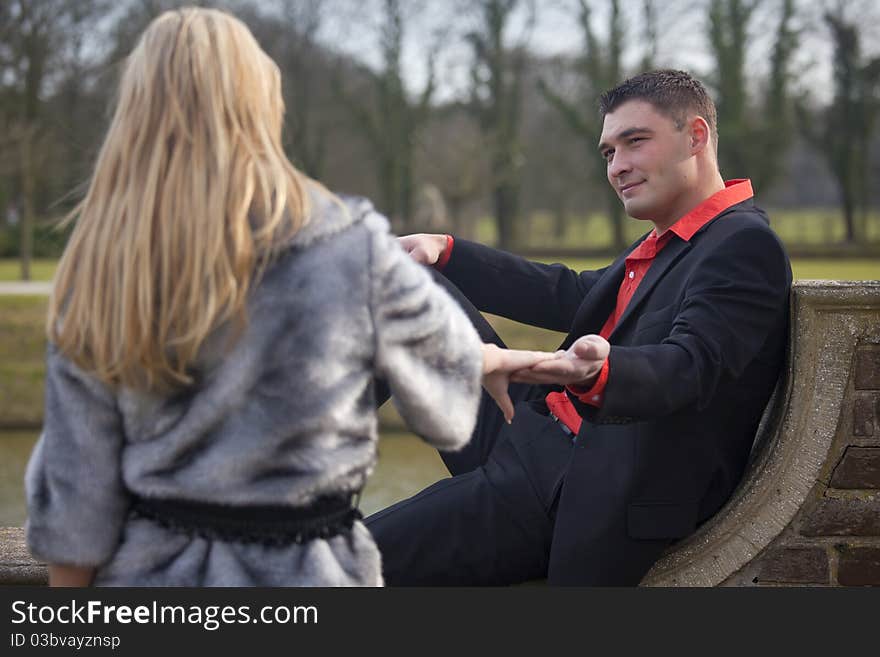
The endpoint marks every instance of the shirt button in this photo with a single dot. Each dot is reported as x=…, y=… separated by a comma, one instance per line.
x=595, y=397
x=632, y=274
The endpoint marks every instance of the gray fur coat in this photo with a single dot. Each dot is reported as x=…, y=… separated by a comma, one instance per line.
x=285, y=416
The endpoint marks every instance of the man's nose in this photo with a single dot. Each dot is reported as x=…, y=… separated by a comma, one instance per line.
x=618, y=166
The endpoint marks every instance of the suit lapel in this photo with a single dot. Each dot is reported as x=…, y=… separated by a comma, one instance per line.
x=599, y=302
x=667, y=257
x=662, y=262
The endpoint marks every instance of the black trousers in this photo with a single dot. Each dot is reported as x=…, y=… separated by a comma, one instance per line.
x=491, y=523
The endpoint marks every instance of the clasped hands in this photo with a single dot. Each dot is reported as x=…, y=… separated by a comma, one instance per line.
x=579, y=365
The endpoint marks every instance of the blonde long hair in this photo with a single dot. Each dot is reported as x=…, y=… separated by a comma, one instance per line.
x=190, y=196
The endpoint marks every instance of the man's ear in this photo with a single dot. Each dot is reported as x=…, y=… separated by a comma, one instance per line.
x=699, y=133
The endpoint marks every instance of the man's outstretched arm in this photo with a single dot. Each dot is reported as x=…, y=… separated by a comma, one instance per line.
x=505, y=284
x=737, y=301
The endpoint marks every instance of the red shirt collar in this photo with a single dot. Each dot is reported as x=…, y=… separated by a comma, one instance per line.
x=735, y=191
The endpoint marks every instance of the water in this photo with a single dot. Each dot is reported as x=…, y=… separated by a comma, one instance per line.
x=406, y=466
x=15, y=447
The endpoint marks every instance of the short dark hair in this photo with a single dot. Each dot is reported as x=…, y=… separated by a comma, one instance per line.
x=673, y=93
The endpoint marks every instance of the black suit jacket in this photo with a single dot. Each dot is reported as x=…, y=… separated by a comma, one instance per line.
x=694, y=360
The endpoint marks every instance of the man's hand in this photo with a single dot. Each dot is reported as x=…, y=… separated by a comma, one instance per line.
x=424, y=248
x=499, y=364
x=579, y=366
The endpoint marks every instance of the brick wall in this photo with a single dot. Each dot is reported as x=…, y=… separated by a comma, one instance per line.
x=834, y=540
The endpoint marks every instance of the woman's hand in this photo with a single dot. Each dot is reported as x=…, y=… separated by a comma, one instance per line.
x=64, y=575
x=579, y=366
x=498, y=366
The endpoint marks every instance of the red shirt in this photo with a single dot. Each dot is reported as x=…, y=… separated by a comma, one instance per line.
x=636, y=266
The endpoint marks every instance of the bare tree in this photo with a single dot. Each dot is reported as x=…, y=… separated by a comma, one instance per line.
x=497, y=73
x=651, y=35
x=729, y=22
x=37, y=37
x=388, y=117
x=600, y=66
x=454, y=160
x=306, y=132
x=842, y=131
x=556, y=177
x=290, y=33
x=742, y=122
x=776, y=130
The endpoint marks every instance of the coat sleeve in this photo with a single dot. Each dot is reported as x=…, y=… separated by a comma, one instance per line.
x=76, y=501
x=735, y=302
x=426, y=348
x=546, y=296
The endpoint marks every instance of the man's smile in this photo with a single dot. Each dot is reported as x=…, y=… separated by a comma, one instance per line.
x=629, y=188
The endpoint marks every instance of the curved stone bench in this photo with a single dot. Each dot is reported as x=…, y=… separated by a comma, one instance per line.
x=808, y=508
x=807, y=511
x=17, y=566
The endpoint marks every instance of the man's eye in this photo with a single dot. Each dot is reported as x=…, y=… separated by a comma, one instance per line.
x=636, y=139
x=606, y=155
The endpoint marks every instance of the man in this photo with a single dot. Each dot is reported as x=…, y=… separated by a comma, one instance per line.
x=643, y=429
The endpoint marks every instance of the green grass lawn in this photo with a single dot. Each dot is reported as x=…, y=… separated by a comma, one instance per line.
x=22, y=339
x=839, y=269
x=41, y=270
x=22, y=359
x=802, y=268
x=813, y=226
x=816, y=227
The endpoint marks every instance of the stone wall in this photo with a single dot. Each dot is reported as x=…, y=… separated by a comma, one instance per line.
x=835, y=538
x=808, y=510
x=17, y=566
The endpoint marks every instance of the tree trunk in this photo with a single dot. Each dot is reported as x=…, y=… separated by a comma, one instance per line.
x=615, y=217
x=454, y=205
x=26, y=244
x=849, y=217
x=560, y=216
x=407, y=185
x=505, y=215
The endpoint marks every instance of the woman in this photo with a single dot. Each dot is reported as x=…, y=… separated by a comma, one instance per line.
x=215, y=328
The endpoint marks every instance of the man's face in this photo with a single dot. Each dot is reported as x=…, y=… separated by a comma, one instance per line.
x=650, y=162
